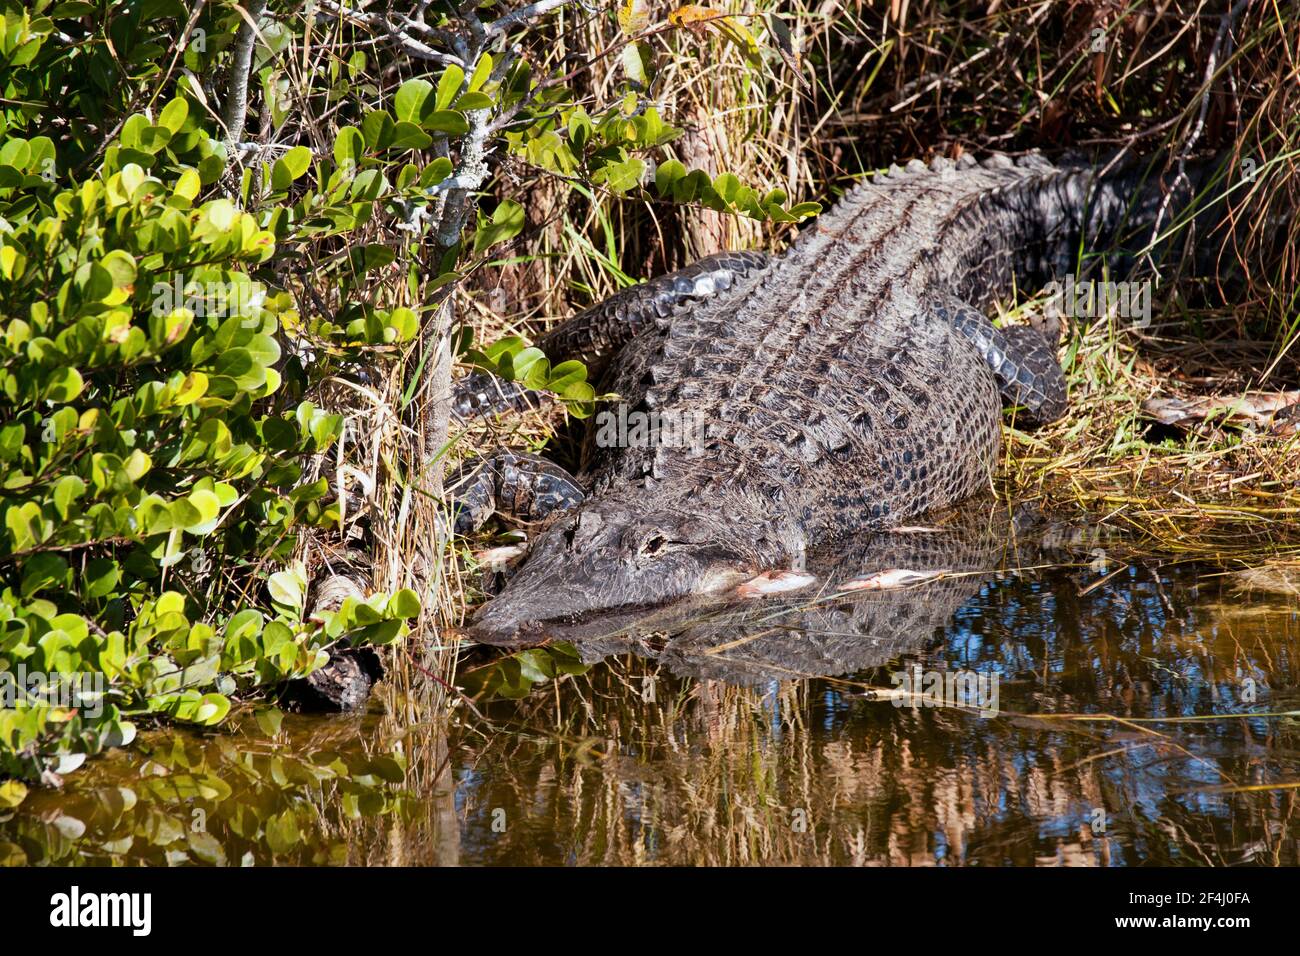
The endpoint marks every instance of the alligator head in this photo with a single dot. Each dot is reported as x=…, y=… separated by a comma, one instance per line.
x=614, y=556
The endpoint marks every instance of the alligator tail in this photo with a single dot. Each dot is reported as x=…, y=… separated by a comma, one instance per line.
x=1047, y=223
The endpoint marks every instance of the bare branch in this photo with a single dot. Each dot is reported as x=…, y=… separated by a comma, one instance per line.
x=397, y=34
x=471, y=173
x=522, y=15
x=237, y=99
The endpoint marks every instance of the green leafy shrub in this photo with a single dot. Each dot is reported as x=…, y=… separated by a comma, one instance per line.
x=160, y=378
x=151, y=450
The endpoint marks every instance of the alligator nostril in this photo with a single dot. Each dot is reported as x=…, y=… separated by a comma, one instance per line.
x=570, y=533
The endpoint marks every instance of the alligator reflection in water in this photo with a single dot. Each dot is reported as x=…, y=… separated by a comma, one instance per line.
x=654, y=757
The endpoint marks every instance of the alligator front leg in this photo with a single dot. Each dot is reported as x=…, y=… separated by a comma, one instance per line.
x=1022, y=360
x=594, y=335
x=481, y=395
x=519, y=485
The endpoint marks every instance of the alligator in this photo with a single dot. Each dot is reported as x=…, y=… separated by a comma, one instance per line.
x=843, y=387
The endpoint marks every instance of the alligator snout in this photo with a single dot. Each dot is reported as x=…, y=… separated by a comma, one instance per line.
x=503, y=632
x=603, y=565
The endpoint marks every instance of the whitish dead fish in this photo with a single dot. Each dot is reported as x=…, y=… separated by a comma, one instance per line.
x=775, y=582
x=499, y=557
x=893, y=578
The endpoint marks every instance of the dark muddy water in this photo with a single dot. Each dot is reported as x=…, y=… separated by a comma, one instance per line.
x=1111, y=710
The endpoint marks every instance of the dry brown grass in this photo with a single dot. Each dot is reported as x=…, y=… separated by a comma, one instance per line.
x=1218, y=490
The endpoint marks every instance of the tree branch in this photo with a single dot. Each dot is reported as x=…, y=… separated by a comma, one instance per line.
x=397, y=34
x=522, y=15
x=237, y=99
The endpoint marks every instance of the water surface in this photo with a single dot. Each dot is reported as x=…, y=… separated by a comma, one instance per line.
x=1141, y=719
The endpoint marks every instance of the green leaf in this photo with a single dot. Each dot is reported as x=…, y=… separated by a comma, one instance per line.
x=133, y=130
x=241, y=366
x=221, y=213
x=382, y=633
x=212, y=710
x=482, y=72
x=506, y=223
x=349, y=148
x=405, y=323
x=535, y=665
x=386, y=768
x=25, y=525
x=633, y=65
x=667, y=175
x=173, y=115
x=408, y=136
x=290, y=167
x=621, y=176
x=206, y=504
x=435, y=172
x=531, y=367
x=206, y=847
x=94, y=281
x=286, y=588
x=449, y=87
x=264, y=349
x=63, y=385
x=121, y=268
x=101, y=576
x=409, y=103
x=67, y=490
x=43, y=571
x=12, y=793
x=377, y=127
x=11, y=854
x=404, y=604
x=246, y=623
x=282, y=832
x=188, y=185
x=184, y=514
x=269, y=719
x=370, y=256
x=447, y=121
x=474, y=101
x=728, y=186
